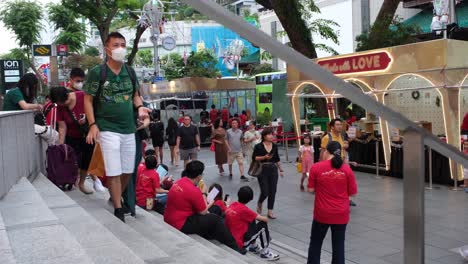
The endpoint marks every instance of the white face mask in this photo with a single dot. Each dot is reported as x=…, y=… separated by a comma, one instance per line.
x=78, y=85
x=118, y=54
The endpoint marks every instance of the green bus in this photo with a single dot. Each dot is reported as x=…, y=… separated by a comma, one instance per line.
x=264, y=89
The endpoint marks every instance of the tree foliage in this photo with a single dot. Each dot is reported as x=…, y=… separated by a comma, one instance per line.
x=173, y=66
x=91, y=51
x=395, y=34
x=23, y=18
x=85, y=62
x=145, y=58
x=201, y=64
x=15, y=54
x=72, y=32
x=262, y=68
x=296, y=17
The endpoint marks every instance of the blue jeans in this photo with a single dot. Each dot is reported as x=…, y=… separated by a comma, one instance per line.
x=318, y=233
x=161, y=198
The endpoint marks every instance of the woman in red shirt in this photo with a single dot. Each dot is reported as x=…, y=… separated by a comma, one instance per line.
x=333, y=182
x=187, y=208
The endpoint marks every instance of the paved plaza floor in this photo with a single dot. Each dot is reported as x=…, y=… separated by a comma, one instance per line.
x=375, y=232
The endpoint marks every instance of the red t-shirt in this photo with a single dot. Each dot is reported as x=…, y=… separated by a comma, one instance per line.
x=243, y=119
x=332, y=190
x=238, y=218
x=73, y=130
x=464, y=125
x=225, y=115
x=221, y=204
x=213, y=115
x=147, y=183
x=141, y=167
x=183, y=200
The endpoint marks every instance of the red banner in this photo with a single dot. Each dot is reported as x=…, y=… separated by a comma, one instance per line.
x=358, y=63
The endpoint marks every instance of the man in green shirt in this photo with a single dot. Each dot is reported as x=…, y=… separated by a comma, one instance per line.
x=112, y=123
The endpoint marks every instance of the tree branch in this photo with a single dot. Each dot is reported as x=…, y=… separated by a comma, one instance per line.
x=265, y=3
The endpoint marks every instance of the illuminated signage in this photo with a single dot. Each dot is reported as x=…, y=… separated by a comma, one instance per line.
x=378, y=61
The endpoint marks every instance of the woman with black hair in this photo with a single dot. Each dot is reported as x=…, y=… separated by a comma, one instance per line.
x=22, y=97
x=221, y=147
x=267, y=154
x=171, y=136
x=187, y=208
x=333, y=182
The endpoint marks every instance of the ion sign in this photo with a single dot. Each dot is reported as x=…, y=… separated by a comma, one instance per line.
x=10, y=71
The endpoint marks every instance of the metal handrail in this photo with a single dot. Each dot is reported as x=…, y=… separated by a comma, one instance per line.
x=321, y=75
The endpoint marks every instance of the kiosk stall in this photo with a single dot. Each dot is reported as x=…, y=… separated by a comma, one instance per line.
x=192, y=95
x=425, y=81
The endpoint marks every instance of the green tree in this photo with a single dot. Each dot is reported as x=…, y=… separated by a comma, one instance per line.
x=23, y=18
x=145, y=57
x=294, y=16
x=91, y=51
x=72, y=32
x=100, y=12
x=262, y=68
x=85, y=62
x=173, y=66
x=201, y=64
x=395, y=34
x=15, y=54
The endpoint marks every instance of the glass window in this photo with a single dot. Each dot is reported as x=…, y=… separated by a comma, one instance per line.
x=265, y=98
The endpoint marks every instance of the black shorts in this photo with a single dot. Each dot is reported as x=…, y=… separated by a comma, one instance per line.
x=83, y=151
x=157, y=142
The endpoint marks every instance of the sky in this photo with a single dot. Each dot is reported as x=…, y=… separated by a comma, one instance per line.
x=8, y=38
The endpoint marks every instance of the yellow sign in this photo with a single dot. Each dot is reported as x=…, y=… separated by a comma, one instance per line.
x=42, y=50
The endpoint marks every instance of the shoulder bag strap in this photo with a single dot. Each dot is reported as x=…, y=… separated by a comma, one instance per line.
x=102, y=80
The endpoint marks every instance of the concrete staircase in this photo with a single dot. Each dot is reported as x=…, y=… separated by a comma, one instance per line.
x=41, y=224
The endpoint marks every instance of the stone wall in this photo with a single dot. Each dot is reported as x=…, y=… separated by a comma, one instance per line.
x=22, y=154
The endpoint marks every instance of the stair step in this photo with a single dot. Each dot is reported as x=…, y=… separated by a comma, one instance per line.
x=35, y=234
x=6, y=252
x=98, y=242
x=141, y=246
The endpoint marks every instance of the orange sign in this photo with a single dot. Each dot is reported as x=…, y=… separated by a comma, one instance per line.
x=377, y=61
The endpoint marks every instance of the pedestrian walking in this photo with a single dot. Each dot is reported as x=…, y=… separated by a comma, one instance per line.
x=333, y=183
x=157, y=135
x=171, y=137
x=77, y=78
x=267, y=154
x=306, y=158
x=234, y=143
x=221, y=147
x=109, y=107
x=188, y=141
x=251, y=138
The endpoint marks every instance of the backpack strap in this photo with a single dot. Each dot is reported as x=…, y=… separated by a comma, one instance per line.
x=133, y=77
x=102, y=80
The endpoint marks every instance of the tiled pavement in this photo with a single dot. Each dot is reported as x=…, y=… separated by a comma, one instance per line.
x=375, y=232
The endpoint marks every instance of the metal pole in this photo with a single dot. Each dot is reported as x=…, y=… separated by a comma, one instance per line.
x=54, y=67
x=156, y=56
x=430, y=168
x=413, y=195
x=237, y=65
x=287, y=149
x=377, y=160
x=453, y=13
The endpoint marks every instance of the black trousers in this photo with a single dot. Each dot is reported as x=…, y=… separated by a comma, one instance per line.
x=209, y=226
x=257, y=230
x=268, y=182
x=319, y=231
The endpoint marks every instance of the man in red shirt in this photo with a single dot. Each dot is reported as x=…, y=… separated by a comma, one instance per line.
x=187, y=208
x=240, y=221
x=225, y=116
x=149, y=184
x=333, y=183
x=213, y=114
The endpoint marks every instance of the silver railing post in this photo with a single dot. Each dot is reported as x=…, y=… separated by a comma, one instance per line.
x=429, y=149
x=413, y=197
x=377, y=159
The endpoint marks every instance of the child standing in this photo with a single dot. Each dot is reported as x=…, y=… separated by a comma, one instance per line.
x=306, y=157
x=241, y=222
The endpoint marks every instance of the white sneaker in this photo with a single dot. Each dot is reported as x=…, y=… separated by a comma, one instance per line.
x=98, y=186
x=269, y=255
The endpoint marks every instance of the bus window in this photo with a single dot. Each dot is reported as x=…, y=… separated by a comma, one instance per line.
x=265, y=98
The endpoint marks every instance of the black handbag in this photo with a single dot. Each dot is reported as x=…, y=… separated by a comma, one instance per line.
x=84, y=128
x=255, y=168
